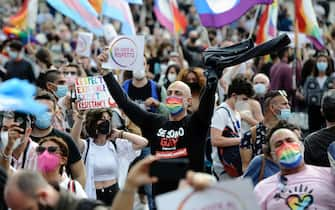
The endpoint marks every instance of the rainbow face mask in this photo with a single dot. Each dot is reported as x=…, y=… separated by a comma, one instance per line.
x=289, y=155
x=174, y=104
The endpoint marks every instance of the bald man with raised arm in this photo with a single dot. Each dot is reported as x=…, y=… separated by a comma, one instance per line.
x=178, y=136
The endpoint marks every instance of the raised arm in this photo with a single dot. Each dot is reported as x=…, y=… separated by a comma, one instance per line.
x=135, y=113
x=77, y=127
x=137, y=141
x=207, y=99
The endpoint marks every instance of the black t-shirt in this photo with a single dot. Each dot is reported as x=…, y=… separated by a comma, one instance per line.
x=170, y=139
x=21, y=69
x=74, y=154
x=316, y=146
x=139, y=95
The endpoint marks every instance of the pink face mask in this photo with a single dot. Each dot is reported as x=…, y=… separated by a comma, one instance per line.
x=47, y=162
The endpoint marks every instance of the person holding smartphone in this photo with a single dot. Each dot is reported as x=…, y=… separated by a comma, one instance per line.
x=17, y=149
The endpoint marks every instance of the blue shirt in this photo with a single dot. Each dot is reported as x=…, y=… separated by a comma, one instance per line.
x=254, y=169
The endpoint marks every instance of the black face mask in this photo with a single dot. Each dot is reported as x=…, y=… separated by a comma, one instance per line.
x=104, y=127
x=193, y=39
x=194, y=86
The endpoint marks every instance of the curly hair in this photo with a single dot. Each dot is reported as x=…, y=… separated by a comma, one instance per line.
x=199, y=73
x=241, y=86
x=92, y=117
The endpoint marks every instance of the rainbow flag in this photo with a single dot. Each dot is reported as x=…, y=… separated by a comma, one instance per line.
x=268, y=23
x=217, y=13
x=307, y=22
x=120, y=10
x=168, y=14
x=26, y=17
x=97, y=5
x=81, y=12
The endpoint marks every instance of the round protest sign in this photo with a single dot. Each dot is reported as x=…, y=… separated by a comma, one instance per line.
x=81, y=44
x=124, y=52
x=220, y=199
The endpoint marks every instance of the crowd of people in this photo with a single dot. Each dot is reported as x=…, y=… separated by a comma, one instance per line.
x=252, y=120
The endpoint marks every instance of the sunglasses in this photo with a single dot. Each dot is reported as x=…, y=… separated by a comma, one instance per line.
x=275, y=93
x=51, y=149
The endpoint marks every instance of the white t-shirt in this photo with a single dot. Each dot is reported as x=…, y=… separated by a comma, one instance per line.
x=220, y=120
x=77, y=189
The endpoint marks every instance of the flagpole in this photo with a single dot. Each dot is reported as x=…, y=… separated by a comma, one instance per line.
x=258, y=10
x=296, y=56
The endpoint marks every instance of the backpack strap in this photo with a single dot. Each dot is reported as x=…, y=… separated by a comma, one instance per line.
x=262, y=169
x=154, y=90
x=87, y=148
x=71, y=186
x=236, y=127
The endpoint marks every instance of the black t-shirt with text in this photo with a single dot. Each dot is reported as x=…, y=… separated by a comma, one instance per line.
x=185, y=138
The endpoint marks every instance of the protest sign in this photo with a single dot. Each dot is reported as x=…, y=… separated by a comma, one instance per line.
x=92, y=93
x=232, y=195
x=84, y=43
x=126, y=53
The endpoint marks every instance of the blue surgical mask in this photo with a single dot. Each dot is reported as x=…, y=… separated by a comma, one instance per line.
x=260, y=89
x=61, y=91
x=285, y=114
x=43, y=121
x=322, y=66
x=12, y=54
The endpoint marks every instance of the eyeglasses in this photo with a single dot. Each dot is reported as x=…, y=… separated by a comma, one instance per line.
x=51, y=149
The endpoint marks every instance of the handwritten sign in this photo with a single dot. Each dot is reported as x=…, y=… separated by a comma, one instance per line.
x=126, y=53
x=232, y=195
x=92, y=93
x=84, y=43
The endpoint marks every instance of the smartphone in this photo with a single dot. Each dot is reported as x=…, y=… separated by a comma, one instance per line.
x=21, y=119
x=169, y=169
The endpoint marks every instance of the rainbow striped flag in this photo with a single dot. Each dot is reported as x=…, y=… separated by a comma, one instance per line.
x=26, y=17
x=169, y=16
x=307, y=22
x=217, y=13
x=120, y=10
x=81, y=12
x=268, y=23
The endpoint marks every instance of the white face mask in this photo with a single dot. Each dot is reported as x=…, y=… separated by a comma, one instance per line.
x=4, y=141
x=172, y=77
x=139, y=74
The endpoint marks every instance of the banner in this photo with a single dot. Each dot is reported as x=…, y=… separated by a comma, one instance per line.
x=92, y=93
x=84, y=43
x=232, y=195
x=126, y=53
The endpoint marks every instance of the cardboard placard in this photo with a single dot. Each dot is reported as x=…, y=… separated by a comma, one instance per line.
x=232, y=195
x=126, y=53
x=84, y=43
x=92, y=93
